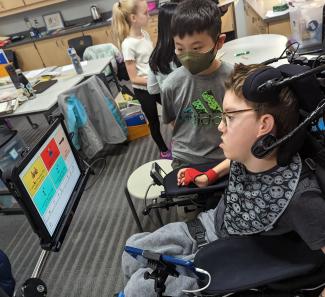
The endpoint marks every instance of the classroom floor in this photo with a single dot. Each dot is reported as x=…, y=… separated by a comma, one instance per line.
x=89, y=262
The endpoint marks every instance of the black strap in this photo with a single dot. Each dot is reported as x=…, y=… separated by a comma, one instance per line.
x=197, y=231
x=308, y=168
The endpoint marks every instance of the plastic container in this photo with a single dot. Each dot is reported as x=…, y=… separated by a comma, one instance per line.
x=11, y=147
x=306, y=20
x=75, y=60
x=135, y=132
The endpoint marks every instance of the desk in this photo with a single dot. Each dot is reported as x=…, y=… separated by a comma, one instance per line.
x=47, y=101
x=260, y=47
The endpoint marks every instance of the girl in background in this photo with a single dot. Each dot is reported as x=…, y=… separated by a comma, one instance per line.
x=163, y=59
x=129, y=19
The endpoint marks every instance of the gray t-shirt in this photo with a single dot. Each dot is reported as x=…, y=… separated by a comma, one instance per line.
x=304, y=215
x=193, y=103
x=155, y=80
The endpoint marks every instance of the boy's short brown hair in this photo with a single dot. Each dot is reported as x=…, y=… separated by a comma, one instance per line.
x=196, y=16
x=285, y=110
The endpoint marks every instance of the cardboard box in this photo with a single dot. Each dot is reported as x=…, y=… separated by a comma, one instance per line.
x=135, y=132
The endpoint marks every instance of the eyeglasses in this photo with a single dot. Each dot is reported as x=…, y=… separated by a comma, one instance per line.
x=226, y=116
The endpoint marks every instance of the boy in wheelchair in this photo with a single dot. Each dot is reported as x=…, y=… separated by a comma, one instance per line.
x=264, y=196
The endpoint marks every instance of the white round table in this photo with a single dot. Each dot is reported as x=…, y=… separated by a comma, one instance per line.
x=254, y=49
x=138, y=183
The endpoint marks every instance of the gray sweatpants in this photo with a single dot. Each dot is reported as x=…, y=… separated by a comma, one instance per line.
x=173, y=239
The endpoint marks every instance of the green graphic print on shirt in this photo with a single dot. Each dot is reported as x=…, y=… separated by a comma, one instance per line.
x=204, y=111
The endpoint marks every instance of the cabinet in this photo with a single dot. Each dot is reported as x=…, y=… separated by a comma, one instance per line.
x=228, y=20
x=28, y=57
x=10, y=4
x=100, y=35
x=12, y=7
x=256, y=25
x=27, y=2
x=54, y=51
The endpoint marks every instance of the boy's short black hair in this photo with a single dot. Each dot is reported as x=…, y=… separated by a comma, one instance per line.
x=196, y=16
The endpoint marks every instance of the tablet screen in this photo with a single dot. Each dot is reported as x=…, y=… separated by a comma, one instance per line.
x=50, y=178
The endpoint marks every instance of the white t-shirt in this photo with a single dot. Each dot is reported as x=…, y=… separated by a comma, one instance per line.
x=138, y=50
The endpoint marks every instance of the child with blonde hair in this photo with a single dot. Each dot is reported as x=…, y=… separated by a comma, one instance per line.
x=129, y=19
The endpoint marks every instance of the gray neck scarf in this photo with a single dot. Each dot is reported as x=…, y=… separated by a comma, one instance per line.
x=255, y=201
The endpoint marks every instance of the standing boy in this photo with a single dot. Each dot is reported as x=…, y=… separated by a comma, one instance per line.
x=192, y=94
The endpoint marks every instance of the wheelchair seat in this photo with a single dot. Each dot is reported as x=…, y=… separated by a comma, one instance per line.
x=274, y=264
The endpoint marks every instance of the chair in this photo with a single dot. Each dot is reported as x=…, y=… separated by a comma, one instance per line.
x=106, y=50
x=80, y=44
x=138, y=186
x=92, y=116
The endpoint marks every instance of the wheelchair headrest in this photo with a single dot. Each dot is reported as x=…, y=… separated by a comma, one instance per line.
x=307, y=90
x=264, y=85
x=260, y=76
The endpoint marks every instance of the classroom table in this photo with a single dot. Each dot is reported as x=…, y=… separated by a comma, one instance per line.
x=47, y=101
x=254, y=49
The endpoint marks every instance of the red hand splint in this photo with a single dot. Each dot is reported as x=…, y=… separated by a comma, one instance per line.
x=212, y=176
x=190, y=174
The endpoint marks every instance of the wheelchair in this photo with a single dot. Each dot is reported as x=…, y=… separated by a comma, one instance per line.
x=265, y=265
x=255, y=265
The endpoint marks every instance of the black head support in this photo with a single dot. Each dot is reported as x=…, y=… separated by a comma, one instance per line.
x=264, y=86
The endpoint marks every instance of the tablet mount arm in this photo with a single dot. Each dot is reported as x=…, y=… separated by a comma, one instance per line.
x=34, y=286
x=161, y=270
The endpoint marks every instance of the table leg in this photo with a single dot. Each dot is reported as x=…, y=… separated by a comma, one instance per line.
x=134, y=213
x=34, y=125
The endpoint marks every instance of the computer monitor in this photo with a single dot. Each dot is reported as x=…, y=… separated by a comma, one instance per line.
x=48, y=184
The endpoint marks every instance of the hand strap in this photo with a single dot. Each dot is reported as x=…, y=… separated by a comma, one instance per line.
x=190, y=175
x=212, y=176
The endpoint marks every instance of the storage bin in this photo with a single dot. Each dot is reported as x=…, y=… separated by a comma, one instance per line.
x=306, y=21
x=135, y=132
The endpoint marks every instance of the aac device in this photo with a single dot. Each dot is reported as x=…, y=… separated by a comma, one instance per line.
x=183, y=267
x=48, y=184
x=157, y=174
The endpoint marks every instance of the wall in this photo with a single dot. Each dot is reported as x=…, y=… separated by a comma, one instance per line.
x=71, y=9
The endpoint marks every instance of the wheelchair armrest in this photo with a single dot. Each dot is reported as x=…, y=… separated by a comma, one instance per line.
x=246, y=262
x=171, y=189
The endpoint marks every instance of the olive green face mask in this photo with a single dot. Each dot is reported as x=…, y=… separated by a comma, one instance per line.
x=197, y=62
